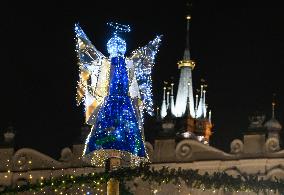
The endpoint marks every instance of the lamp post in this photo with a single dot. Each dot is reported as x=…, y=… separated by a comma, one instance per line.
x=112, y=164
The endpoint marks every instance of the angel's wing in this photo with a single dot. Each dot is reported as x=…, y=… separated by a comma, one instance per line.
x=143, y=62
x=93, y=78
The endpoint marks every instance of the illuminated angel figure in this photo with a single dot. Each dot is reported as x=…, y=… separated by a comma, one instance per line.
x=116, y=91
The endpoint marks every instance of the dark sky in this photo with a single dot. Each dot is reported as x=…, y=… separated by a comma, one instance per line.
x=238, y=51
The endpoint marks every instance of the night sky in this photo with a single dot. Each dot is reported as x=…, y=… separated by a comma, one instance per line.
x=238, y=51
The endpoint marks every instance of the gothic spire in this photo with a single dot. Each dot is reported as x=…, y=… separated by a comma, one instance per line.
x=172, y=103
x=164, y=104
x=186, y=55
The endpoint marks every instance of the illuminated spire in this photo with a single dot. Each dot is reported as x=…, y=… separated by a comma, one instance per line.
x=186, y=55
x=172, y=103
x=187, y=110
x=200, y=104
x=168, y=99
x=273, y=108
x=186, y=65
x=204, y=104
x=187, y=62
x=158, y=112
x=196, y=104
x=164, y=105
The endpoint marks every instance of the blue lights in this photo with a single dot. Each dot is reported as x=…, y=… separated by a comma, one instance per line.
x=118, y=90
x=116, y=46
x=119, y=27
x=144, y=58
x=116, y=126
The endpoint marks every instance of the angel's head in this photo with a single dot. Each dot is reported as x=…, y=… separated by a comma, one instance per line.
x=116, y=46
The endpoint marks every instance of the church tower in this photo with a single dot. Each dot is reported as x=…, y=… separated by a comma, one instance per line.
x=185, y=81
x=187, y=111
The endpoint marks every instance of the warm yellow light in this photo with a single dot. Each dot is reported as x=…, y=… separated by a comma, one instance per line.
x=30, y=162
x=186, y=63
x=188, y=17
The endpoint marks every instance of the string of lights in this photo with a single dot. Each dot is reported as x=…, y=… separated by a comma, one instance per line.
x=94, y=183
x=119, y=27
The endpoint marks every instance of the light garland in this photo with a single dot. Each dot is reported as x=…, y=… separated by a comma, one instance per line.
x=116, y=91
x=119, y=27
x=95, y=182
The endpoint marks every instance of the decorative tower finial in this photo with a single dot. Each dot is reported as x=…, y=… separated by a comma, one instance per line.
x=187, y=110
x=273, y=105
x=200, y=104
x=186, y=55
x=187, y=62
x=164, y=104
x=158, y=113
x=273, y=126
x=172, y=88
x=204, y=104
x=172, y=100
x=164, y=94
x=168, y=99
